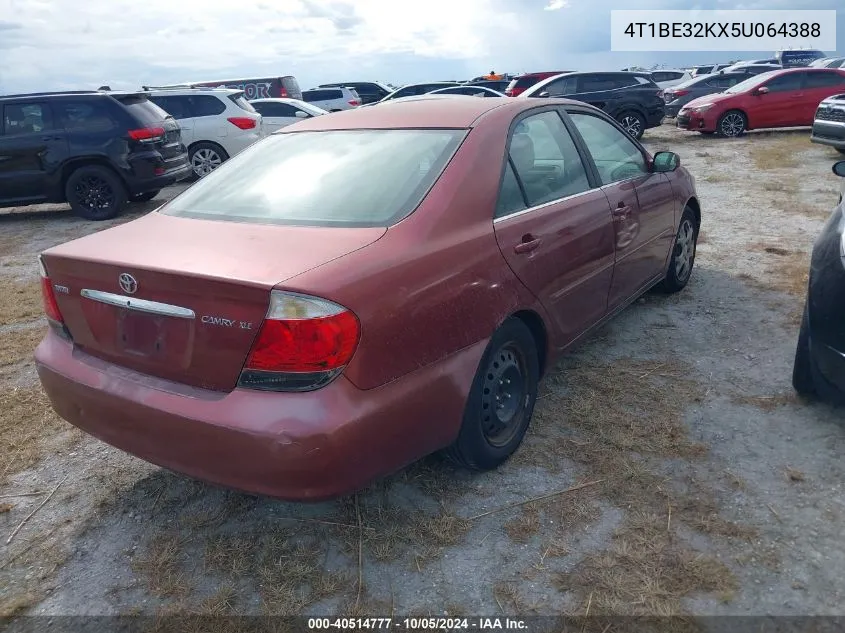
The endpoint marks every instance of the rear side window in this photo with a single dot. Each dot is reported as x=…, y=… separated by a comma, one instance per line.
x=206, y=105
x=331, y=178
x=85, y=116
x=596, y=83
x=824, y=79
x=27, y=118
x=177, y=107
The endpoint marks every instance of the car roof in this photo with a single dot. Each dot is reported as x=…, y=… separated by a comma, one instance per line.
x=75, y=94
x=438, y=111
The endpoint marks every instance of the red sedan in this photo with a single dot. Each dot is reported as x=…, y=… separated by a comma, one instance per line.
x=360, y=290
x=781, y=98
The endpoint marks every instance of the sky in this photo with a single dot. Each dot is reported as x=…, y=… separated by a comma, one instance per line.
x=83, y=44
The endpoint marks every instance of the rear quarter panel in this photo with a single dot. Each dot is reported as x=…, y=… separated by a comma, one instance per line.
x=436, y=282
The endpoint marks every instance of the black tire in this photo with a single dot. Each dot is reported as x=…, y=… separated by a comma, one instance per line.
x=841, y=150
x=802, y=367
x=95, y=192
x=204, y=158
x=682, y=259
x=506, y=381
x=144, y=197
x=707, y=133
x=732, y=123
x=633, y=122
x=336, y=110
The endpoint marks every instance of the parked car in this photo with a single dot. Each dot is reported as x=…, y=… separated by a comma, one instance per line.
x=708, y=69
x=332, y=99
x=669, y=78
x=631, y=98
x=285, y=86
x=94, y=150
x=750, y=69
x=470, y=90
x=498, y=86
x=520, y=84
x=216, y=123
x=268, y=331
x=799, y=57
x=680, y=95
x=819, y=368
x=367, y=91
x=412, y=90
x=279, y=113
x=829, y=62
x=783, y=98
x=829, y=123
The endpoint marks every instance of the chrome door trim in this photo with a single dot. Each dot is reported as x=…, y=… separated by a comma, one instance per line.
x=139, y=305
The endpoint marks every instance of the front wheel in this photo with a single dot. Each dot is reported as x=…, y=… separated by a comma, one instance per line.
x=732, y=124
x=501, y=400
x=95, y=192
x=683, y=254
x=633, y=122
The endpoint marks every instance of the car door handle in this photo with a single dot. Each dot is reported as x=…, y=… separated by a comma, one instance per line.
x=622, y=211
x=528, y=244
x=51, y=138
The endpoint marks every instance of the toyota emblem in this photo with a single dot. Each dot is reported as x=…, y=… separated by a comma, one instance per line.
x=128, y=283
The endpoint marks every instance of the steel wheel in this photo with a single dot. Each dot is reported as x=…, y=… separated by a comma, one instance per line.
x=684, y=250
x=732, y=124
x=504, y=398
x=632, y=125
x=94, y=193
x=205, y=160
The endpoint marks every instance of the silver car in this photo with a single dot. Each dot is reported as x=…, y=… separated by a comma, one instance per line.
x=332, y=99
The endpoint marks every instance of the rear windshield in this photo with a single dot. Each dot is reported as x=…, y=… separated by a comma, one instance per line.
x=240, y=101
x=142, y=109
x=524, y=82
x=360, y=178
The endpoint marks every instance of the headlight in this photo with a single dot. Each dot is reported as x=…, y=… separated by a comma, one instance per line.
x=702, y=107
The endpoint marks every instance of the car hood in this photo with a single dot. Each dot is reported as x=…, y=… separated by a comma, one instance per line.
x=712, y=98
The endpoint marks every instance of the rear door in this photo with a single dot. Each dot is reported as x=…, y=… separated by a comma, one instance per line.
x=553, y=224
x=642, y=203
x=819, y=85
x=32, y=149
x=179, y=108
x=207, y=122
x=781, y=106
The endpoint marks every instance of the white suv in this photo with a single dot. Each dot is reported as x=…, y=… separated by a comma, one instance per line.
x=332, y=99
x=216, y=123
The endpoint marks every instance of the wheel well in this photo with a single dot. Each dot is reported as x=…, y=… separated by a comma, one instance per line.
x=217, y=145
x=73, y=165
x=742, y=112
x=692, y=203
x=629, y=108
x=534, y=322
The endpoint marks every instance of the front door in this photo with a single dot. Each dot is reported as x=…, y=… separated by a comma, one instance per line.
x=32, y=147
x=554, y=226
x=781, y=105
x=642, y=204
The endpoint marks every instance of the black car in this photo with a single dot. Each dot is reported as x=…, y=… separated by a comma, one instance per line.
x=829, y=123
x=369, y=91
x=94, y=150
x=678, y=96
x=819, y=368
x=632, y=98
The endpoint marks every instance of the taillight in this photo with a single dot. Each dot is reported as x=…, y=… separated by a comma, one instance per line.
x=283, y=92
x=147, y=134
x=354, y=102
x=303, y=344
x=242, y=122
x=48, y=300
x=680, y=93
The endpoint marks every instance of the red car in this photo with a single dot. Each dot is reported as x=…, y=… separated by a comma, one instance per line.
x=361, y=290
x=782, y=98
x=522, y=83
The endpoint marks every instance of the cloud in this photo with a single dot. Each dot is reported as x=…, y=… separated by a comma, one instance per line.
x=554, y=5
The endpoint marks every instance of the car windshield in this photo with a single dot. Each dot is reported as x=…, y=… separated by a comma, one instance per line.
x=362, y=178
x=310, y=108
x=748, y=84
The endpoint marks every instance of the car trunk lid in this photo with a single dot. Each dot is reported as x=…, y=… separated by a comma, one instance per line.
x=181, y=298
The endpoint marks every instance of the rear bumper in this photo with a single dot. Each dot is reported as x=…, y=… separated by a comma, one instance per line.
x=295, y=446
x=148, y=173
x=829, y=133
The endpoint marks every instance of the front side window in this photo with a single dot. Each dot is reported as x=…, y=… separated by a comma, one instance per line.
x=27, y=118
x=616, y=156
x=562, y=87
x=328, y=178
x=546, y=160
x=785, y=83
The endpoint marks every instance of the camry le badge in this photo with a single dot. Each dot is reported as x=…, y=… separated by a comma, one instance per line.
x=127, y=283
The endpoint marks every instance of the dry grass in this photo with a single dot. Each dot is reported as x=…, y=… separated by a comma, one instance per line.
x=766, y=403
x=715, y=177
x=19, y=301
x=524, y=526
x=778, y=150
x=783, y=270
x=162, y=564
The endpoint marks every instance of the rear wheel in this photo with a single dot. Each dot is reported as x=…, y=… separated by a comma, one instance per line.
x=633, y=122
x=205, y=158
x=95, y=192
x=732, y=123
x=802, y=368
x=501, y=400
x=144, y=197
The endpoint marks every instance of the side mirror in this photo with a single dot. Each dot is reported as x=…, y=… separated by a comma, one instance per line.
x=299, y=114
x=839, y=168
x=762, y=90
x=665, y=162
x=543, y=95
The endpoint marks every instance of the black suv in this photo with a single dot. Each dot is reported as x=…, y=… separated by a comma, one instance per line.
x=95, y=150
x=631, y=98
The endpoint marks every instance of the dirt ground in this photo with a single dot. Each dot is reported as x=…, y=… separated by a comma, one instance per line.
x=704, y=486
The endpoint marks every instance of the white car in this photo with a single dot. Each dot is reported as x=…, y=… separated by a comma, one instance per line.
x=216, y=123
x=469, y=91
x=670, y=78
x=279, y=113
x=332, y=99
